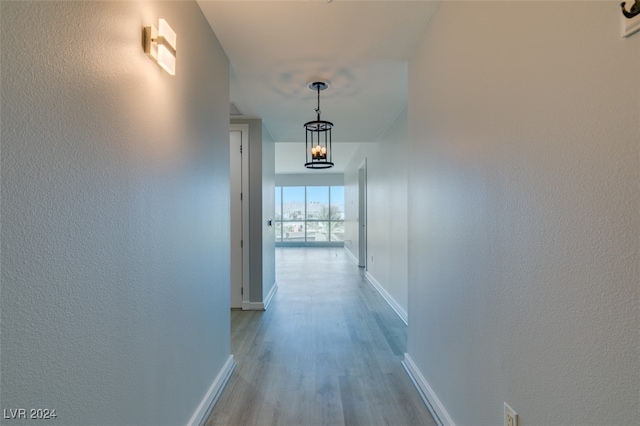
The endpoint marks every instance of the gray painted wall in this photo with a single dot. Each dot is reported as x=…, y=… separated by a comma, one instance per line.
x=115, y=213
x=268, y=212
x=386, y=209
x=524, y=212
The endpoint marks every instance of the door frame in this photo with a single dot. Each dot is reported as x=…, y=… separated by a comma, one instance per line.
x=243, y=232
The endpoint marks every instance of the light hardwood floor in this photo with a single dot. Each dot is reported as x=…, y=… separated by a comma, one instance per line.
x=327, y=351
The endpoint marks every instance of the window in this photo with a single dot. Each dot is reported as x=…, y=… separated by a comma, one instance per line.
x=309, y=214
x=337, y=213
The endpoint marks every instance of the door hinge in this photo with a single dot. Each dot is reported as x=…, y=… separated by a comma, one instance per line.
x=241, y=243
x=240, y=149
x=241, y=196
x=242, y=291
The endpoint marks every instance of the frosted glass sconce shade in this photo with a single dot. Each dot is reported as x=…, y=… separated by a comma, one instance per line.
x=160, y=45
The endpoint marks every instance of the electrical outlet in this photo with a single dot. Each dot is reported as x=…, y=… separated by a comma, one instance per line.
x=510, y=416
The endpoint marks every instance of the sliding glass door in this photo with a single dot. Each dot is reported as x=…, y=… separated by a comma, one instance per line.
x=309, y=215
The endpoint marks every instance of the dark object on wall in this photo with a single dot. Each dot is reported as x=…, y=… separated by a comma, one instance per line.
x=634, y=11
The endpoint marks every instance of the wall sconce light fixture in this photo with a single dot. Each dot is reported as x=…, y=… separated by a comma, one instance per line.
x=160, y=45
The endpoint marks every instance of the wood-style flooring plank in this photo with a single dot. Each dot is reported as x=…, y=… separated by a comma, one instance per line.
x=328, y=352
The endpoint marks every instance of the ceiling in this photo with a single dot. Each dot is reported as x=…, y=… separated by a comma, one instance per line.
x=276, y=48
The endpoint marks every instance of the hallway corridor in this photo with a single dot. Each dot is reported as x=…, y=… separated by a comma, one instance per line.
x=327, y=351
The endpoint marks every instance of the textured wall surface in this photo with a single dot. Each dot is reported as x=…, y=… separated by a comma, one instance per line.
x=386, y=208
x=115, y=213
x=524, y=222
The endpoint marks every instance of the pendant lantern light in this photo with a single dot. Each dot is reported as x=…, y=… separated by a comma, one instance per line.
x=318, y=151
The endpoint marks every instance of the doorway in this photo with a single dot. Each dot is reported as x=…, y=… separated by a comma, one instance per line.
x=239, y=223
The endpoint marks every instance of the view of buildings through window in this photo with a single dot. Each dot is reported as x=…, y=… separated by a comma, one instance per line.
x=309, y=213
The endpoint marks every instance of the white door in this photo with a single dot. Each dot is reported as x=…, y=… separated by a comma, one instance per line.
x=236, y=218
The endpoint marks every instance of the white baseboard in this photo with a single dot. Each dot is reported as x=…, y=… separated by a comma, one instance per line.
x=267, y=300
x=252, y=306
x=209, y=401
x=351, y=256
x=260, y=306
x=428, y=395
x=390, y=300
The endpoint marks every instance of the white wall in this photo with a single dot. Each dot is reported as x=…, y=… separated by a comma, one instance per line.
x=524, y=212
x=351, y=203
x=268, y=213
x=115, y=213
x=386, y=210
x=320, y=178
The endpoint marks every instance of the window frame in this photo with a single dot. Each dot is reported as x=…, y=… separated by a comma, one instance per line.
x=331, y=223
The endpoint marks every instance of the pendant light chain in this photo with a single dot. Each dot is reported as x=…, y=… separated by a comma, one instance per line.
x=318, y=109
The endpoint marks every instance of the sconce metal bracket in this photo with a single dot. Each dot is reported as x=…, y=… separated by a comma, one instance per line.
x=633, y=12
